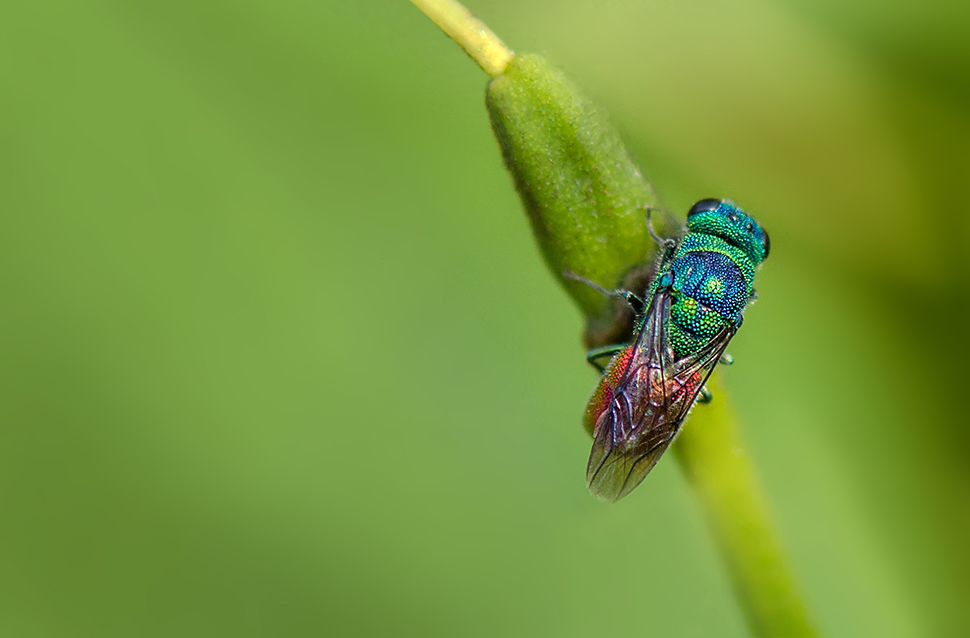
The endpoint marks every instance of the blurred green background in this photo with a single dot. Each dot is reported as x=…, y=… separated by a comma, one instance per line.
x=278, y=356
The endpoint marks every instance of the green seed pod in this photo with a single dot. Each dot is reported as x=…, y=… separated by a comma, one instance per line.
x=585, y=197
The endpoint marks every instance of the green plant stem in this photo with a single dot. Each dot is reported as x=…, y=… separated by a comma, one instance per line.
x=469, y=32
x=719, y=469
x=573, y=176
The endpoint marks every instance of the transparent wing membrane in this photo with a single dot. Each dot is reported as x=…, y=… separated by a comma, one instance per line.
x=649, y=403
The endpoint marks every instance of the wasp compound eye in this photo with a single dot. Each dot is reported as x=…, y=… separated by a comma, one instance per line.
x=767, y=243
x=704, y=206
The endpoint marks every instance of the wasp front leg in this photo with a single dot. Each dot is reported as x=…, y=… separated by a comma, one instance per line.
x=636, y=303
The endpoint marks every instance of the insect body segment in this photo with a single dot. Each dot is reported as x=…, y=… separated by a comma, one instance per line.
x=695, y=307
x=711, y=289
x=603, y=394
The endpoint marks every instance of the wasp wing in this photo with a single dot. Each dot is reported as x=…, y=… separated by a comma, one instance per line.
x=649, y=403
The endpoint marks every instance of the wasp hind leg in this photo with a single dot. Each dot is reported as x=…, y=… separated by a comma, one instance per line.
x=705, y=396
x=595, y=356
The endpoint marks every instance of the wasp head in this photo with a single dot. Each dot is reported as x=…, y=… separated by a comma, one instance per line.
x=723, y=219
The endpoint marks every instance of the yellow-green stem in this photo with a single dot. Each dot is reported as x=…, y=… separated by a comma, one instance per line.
x=581, y=189
x=469, y=32
x=718, y=467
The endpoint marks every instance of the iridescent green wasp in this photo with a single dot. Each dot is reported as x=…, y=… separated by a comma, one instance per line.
x=691, y=310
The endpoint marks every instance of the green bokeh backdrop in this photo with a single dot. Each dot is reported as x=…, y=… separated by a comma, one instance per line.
x=278, y=356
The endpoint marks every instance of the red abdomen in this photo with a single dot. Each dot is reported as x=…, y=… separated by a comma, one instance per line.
x=603, y=394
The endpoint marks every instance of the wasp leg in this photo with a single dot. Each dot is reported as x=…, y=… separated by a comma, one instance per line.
x=635, y=302
x=753, y=297
x=726, y=359
x=668, y=245
x=704, y=396
x=593, y=356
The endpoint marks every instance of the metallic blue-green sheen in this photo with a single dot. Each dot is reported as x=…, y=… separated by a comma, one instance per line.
x=713, y=273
